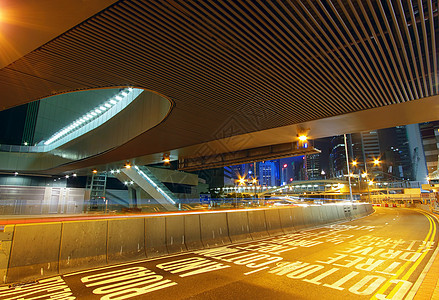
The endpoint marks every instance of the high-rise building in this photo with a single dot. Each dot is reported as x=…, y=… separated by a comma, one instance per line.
x=228, y=176
x=356, y=150
x=233, y=173
x=371, y=145
x=267, y=173
x=284, y=174
x=395, y=151
x=417, y=154
x=430, y=144
x=313, y=166
x=363, y=147
x=337, y=157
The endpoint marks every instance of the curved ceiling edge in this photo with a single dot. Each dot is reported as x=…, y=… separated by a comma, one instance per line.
x=149, y=110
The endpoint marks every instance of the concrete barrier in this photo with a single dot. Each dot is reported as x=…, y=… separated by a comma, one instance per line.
x=5, y=253
x=347, y=209
x=256, y=222
x=340, y=212
x=155, y=236
x=126, y=240
x=324, y=214
x=363, y=210
x=272, y=219
x=239, y=231
x=354, y=211
x=298, y=217
x=333, y=213
x=27, y=261
x=316, y=215
x=83, y=245
x=360, y=209
x=72, y=246
x=368, y=208
x=175, y=239
x=214, y=230
x=192, y=232
x=308, y=219
x=286, y=219
x=330, y=213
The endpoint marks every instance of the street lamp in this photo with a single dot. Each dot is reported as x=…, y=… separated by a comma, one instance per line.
x=166, y=159
x=303, y=138
x=365, y=175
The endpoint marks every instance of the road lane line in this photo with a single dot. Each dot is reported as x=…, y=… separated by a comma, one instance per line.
x=417, y=262
x=254, y=271
x=386, y=285
x=126, y=264
x=421, y=277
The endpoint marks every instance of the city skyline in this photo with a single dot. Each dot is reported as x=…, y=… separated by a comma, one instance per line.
x=399, y=153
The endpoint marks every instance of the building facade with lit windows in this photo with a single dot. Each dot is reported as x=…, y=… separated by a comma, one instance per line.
x=267, y=173
x=430, y=144
x=313, y=169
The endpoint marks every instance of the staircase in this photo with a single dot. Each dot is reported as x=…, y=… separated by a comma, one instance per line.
x=147, y=181
x=96, y=184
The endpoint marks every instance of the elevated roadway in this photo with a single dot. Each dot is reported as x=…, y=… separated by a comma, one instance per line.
x=239, y=74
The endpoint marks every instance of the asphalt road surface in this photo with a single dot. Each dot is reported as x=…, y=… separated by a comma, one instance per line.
x=381, y=256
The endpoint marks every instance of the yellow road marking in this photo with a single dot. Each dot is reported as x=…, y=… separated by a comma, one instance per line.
x=418, y=261
x=430, y=237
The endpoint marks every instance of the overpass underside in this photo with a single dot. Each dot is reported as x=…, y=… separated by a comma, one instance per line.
x=244, y=156
x=240, y=75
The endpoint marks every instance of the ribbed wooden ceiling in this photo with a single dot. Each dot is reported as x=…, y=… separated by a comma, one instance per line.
x=281, y=62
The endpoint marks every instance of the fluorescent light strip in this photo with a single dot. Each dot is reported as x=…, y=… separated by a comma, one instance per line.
x=88, y=117
x=154, y=184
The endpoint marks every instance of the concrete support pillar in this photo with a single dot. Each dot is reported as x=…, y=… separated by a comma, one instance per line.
x=417, y=152
x=133, y=194
x=138, y=196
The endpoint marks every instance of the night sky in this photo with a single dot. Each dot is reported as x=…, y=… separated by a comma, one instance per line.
x=12, y=124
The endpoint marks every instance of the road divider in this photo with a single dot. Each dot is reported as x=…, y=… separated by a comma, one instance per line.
x=35, y=251
x=239, y=231
x=38, y=250
x=286, y=220
x=272, y=219
x=257, y=223
x=83, y=245
x=155, y=236
x=175, y=234
x=126, y=244
x=192, y=232
x=214, y=229
x=299, y=217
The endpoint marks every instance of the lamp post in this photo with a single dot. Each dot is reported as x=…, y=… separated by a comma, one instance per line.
x=347, y=165
x=375, y=162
